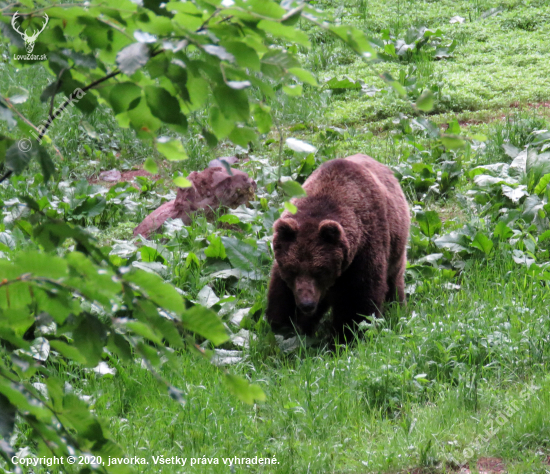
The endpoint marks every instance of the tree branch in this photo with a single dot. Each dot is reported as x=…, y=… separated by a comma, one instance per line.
x=29, y=123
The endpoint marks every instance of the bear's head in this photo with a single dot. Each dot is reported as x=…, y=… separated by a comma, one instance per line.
x=310, y=256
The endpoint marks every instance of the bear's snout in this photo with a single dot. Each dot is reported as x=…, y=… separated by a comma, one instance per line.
x=306, y=294
x=307, y=306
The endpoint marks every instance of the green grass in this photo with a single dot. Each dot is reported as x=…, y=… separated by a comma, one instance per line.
x=413, y=391
x=365, y=408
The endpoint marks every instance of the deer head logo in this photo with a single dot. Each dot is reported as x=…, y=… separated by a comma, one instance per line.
x=29, y=40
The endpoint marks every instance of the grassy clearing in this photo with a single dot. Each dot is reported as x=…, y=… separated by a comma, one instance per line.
x=415, y=391
x=410, y=392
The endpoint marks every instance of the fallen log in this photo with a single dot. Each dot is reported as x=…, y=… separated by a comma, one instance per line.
x=211, y=188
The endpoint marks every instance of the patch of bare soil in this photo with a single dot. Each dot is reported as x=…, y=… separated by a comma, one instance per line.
x=487, y=466
x=529, y=105
x=513, y=105
x=483, y=466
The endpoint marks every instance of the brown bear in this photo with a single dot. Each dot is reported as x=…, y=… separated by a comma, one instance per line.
x=345, y=248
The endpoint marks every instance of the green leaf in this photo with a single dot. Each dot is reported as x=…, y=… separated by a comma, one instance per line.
x=454, y=242
x=262, y=117
x=5, y=142
x=290, y=207
x=149, y=254
x=479, y=137
x=304, y=76
x=265, y=9
x=18, y=396
x=164, y=105
x=68, y=351
x=246, y=392
x=454, y=127
x=41, y=265
x=293, y=189
x=233, y=103
x=124, y=96
x=17, y=320
x=173, y=150
x=143, y=121
x=82, y=60
x=91, y=207
x=216, y=248
x=221, y=126
x=531, y=206
x=7, y=417
x=245, y=56
x=46, y=163
x=275, y=63
x=89, y=338
x=287, y=32
x=483, y=243
x=242, y=136
x=15, y=296
x=206, y=323
x=59, y=305
x=120, y=346
x=502, y=231
x=182, y=182
x=240, y=254
x=132, y=57
x=98, y=285
x=161, y=293
x=150, y=166
x=426, y=101
x=429, y=222
x=543, y=183
x=452, y=142
x=71, y=87
x=345, y=83
x=395, y=85
x=55, y=391
x=229, y=219
x=144, y=330
x=293, y=91
x=19, y=155
x=356, y=39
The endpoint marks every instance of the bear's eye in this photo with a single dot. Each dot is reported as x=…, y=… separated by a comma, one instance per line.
x=322, y=271
x=290, y=273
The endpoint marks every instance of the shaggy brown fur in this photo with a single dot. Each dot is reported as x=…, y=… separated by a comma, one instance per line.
x=345, y=248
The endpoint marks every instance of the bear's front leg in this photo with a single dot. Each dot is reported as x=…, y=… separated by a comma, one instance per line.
x=281, y=307
x=359, y=292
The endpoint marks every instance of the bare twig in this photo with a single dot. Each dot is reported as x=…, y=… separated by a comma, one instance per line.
x=57, y=86
x=205, y=22
x=28, y=122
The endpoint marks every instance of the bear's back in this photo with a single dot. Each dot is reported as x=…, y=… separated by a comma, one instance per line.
x=347, y=177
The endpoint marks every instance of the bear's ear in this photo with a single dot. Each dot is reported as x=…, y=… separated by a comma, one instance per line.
x=285, y=230
x=331, y=232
